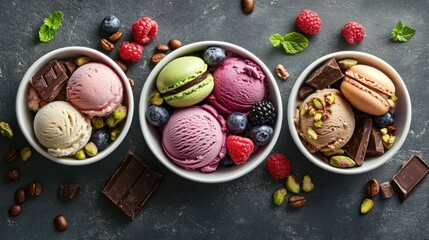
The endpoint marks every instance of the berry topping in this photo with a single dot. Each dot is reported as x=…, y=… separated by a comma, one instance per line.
x=239, y=148
x=144, y=30
x=100, y=138
x=353, y=32
x=111, y=24
x=237, y=122
x=157, y=115
x=130, y=51
x=278, y=165
x=261, y=135
x=384, y=120
x=226, y=162
x=308, y=21
x=263, y=112
x=214, y=56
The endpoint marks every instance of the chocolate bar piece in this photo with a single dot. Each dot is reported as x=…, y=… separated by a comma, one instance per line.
x=409, y=176
x=70, y=191
x=325, y=75
x=386, y=190
x=357, y=145
x=305, y=91
x=49, y=80
x=132, y=185
x=375, y=145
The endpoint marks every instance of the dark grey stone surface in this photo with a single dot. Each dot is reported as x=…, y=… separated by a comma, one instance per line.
x=240, y=209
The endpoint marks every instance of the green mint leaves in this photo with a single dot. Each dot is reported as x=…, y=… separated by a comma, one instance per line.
x=292, y=43
x=50, y=25
x=402, y=33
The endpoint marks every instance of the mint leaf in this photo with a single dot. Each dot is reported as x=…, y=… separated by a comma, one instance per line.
x=276, y=40
x=402, y=33
x=46, y=33
x=294, y=43
x=54, y=20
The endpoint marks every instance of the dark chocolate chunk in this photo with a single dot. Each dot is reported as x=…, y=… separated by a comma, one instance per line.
x=386, y=190
x=70, y=191
x=375, y=145
x=325, y=75
x=70, y=66
x=49, y=80
x=132, y=185
x=305, y=91
x=409, y=176
x=357, y=145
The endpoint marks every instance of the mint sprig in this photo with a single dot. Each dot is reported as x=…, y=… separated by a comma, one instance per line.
x=402, y=33
x=292, y=43
x=50, y=25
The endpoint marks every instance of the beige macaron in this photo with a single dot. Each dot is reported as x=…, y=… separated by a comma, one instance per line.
x=367, y=89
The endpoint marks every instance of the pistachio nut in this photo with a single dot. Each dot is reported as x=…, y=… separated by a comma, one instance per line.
x=155, y=98
x=372, y=188
x=342, y=161
x=347, y=63
x=318, y=116
x=91, y=149
x=330, y=98
x=366, y=206
x=311, y=111
x=80, y=154
x=292, y=184
x=279, y=196
x=394, y=98
x=318, y=123
x=390, y=102
x=303, y=111
x=82, y=60
x=307, y=184
x=117, y=116
x=97, y=122
x=6, y=130
x=114, y=134
x=311, y=133
x=25, y=153
x=389, y=143
x=383, y=131
x=338, y=151
x=319, y=103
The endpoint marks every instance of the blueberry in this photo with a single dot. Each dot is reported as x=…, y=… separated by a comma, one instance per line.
x=111, y=24
x=226, y=162
x=236, y=122
x=261, y=135
x=101, y=138
x=214, y=56
x=384, y=120
x=157, y=115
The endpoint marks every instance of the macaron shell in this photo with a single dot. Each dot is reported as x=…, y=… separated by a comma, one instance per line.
x=192, y=95
x=372, y=78
x=364, y=98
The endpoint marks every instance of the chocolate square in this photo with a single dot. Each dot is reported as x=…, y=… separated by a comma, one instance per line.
x=375, y=144
x=358, y=144
x=70, y=191
x=325, y=75
x=49, y=80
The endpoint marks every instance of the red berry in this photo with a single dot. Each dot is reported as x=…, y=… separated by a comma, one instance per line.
x=130, y=51
x=239, y=148
x=308, y=21
x=278, y=165
x=353, y=32
x=144, y=30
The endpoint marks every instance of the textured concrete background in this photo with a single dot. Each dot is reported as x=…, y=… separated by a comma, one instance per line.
x=241, y=209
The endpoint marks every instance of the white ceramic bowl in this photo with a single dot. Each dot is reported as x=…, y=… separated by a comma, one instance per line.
x=153, y=138
x=402, y=111
x=25, y=116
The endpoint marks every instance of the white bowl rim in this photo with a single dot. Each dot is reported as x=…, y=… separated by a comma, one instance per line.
x=21, y=104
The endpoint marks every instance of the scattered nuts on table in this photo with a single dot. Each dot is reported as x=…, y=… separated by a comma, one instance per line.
x=6, y=130
x=174, y=44
x=297, y=201
x=13, y=174
x=35, y=189
x=366, y=206
x=25, y=153
x=248, y=5
x=372, y=188
x=279, y=196
x=162, y=48
x=11, y=154
x=307, y=184
x=106, y=44
x=282, y=72
x=292, y=184
x=115, y=36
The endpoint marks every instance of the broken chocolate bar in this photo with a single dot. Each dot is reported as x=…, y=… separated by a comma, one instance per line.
x=305, y=91
x=386, y=190
x=132, y=185
x=375, y=145
x=325, y=75
x=409, y=176
x=49, y=80
x=70, y=191
x=358, y=143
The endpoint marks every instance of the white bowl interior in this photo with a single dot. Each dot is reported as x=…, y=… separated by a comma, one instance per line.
x=402, y=111
x=25, y=116
x=153, y=138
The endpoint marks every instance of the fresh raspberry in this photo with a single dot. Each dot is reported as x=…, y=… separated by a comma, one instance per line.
x=278, y=165
x=144, y=30
x=308, y=21
x=353, y=32
x=239, y=148
x=130, y=51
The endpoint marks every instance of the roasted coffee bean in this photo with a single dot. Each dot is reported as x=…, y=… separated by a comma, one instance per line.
x=115, y=36
x=372, y=188
x=106, y=45
x=61, y=223
x=20, y=195
x=162, y=48
x=13, y=174
x=297, y=201
x=122, y=65
x=248, y=5
x=35, y=189
x=157, y=57
x=174, y=44
x=11, y=154
x=15, y=210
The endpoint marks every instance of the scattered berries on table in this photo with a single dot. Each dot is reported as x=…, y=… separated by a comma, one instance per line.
x=309, y=22
x=239, y=148
x=101, y=138
x=111, y=24
x=278, y=165
x=261, y=135
x=353, y=32
x=226, y=162
x=384, y=120
x=214, y=56
x=130, y=51
x=157, y=115
x=263, y=112
x=237, y=122
x=144, y=30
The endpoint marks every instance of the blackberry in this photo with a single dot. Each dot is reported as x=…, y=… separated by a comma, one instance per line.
x=263, y=112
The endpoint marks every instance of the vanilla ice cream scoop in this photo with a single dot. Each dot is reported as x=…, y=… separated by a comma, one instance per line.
x=60, y=128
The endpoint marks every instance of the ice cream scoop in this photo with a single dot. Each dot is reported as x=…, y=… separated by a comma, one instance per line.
x=195, y=138
x=60, y=128
x=95, y=89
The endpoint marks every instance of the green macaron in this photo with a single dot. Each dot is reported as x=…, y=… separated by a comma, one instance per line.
x=185, y=81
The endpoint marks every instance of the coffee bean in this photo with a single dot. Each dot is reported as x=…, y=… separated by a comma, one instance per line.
x=372, y=188
x=132, y=83
x=35, y=189
x=174, y=44
x=61, y=223
x=297, y=201
x=106, y=45
x=20, y=195
x=248, y=5
x=13, y=174
x=11, y=154
x=162, y=48
x=157, y=57
x=122, y=65
x=15, y=210
x=115, y=36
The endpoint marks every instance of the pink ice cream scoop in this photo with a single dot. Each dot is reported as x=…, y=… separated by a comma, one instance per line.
x=95, y=89
x=195, y=138
x=239, y=84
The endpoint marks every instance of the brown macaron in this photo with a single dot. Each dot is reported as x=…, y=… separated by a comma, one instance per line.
x=367, y=88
